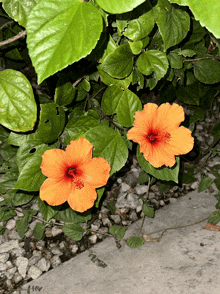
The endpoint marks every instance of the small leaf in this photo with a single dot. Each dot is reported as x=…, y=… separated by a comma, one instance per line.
x=111, y=98
x=205, y=183
x=38, y=231
x=73, y=231
x=135, y=242
x=18, y=112
x=143, y=177
x=217, y=196
x=189, y=176
x=119, y=63
x=46, y=210
x=217, y=182
x=148, y=211
x=214, y=218
x=2, y=229
x=111, y=207
x=118, y=231
x=22, y=226
x=136, y=47
x=210, y=66
x=114, y=6
x=64, y=93
x=6, y=214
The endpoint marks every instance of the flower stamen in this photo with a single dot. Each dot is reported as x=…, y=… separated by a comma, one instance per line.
x=73, y=173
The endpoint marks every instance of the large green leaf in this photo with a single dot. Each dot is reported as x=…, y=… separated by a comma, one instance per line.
x=46, y=210
x=207, y=12
x=60, y=32
x=116, y=7
x=153, y=60
x=108, y=144
x=119, y=63
x=111, y=98
x=64, y=93
x=68, y=215
x=173, y=23
x=163, y=173
x=127, y=106
x=17, y=104
x=207, y=71
x=73, y=231
x=19, y=9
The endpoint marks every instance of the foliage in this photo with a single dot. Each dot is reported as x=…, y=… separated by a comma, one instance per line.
x=95, y=62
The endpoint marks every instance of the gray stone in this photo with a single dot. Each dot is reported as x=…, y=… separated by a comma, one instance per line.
x=74, y=248
x=56, y=231
x=18, y=251
x=34, y=272
x=4, y=257
x=152, y=195
x=43, y=264
x=131, y=180
x=195, y=185
x=119, y=180
x=155, y=203
x=116, y=218
x=35, y=206
x=133, y=216
x=62, y=245
x=3, y=266
x=133, y=200
x=56, y=251
x=141, y=189
x=48, y=233
x=40, y=245
x=103, y=231
x=93, y=239
x=106, y=222
x=55, y=261
x=14, y=235
x=10, y=273
x=17, y=278
x=11, y=224
x=162, y=203
x=6, y=247
x=125, y=187
x=22, y=263
x=34, y=259
x=33, y=224
x=96, y=225
x=29, y=233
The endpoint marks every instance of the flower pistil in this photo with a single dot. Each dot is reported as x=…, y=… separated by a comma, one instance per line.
x=74, y=174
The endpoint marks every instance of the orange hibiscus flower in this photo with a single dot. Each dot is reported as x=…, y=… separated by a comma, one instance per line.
x=157, y=131
x=73, y=175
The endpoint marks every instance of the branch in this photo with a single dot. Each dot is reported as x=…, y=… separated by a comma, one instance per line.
x=10, y=40
x=202, y=58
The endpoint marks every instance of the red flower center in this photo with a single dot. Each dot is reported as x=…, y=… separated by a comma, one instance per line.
x=155, y=137
x=74, y=174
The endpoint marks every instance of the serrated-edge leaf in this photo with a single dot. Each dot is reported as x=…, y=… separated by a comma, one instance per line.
x=118, y=231
x=135, y=242
x=73, y=231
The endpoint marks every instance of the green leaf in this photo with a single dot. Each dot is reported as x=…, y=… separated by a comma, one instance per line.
x=207, y=12
x=18, y=112
x=176, y=61
x=205, y=183
x=210, y=66
x=46, y=210
x=2, y=229
x=38, y=231
x=100, y=192
x=119, y=63
x=127, y=106
x=162, y=173
x=139, y=28
x=73, y=231
x=217, y=182
x=216, y=130
x=148, y=211
x=214, y=218
x=31, y=177
x=191, y=94
x=7, y=213
x=214, y=170
x=118, y=231
x=143, y=177
x=153, y=60
x=18, y=198
x=60, y=32
x=19, y=10
x=135, y=242
x=187, y=53
x=22, y=226
x=111, y=207
x=52, y=120
x=8, y=181
x=189, y=176
x=68, y=215
x=173, y=23
x=108, y=144
x=136, y=47
x=114, y=6
x=111, y=98
x=217, y=196
x=64, y=93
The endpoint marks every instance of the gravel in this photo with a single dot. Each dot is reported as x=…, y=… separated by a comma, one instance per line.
x=24, y=259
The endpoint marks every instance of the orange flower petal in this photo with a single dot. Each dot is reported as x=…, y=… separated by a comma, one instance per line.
x=79, y=152
x=54, y=163
x=55, y=191
x=82, y=199
x=96, y=172
x=145, y=118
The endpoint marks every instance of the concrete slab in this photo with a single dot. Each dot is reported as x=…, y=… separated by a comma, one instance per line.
x=186, y=260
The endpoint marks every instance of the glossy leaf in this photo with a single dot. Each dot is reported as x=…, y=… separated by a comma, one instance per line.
x=19, y=9
x=60, y=32
x=119, y=63
x=111, y=98
x=136, y=47
x=18, y=112
x=73, y=231
x=205, y=183
x=207, y=71
x=127, y=106
x=153, y=61
x=207, y=12
x=8, y=180
x=114, y=6
x=162, y=173
x=108, y=144
x=46, y=210
x=173, y=23
x=64, y=93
